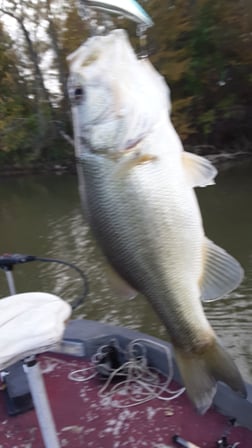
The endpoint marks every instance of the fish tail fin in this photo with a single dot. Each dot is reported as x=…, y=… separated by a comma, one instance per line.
x=200, y=373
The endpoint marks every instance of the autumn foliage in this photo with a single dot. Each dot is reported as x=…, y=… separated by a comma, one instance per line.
x=202, y=48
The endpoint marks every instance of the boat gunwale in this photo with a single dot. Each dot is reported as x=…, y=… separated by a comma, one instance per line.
x=90, y=335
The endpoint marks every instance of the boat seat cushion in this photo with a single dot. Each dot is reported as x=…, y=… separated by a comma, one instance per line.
x=30, y=323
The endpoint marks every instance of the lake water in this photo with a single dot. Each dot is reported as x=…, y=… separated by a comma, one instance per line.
x=42, y=216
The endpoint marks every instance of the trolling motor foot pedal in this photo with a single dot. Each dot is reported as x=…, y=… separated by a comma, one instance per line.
x=16, y=390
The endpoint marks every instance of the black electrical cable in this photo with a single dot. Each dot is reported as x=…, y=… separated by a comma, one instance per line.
x=79, y=300
x=7, y=261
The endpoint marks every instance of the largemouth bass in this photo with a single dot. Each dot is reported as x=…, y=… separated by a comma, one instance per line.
x=139, y=191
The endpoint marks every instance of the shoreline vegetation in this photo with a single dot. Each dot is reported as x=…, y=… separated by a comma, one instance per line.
x=222, y=161
x=201, y=47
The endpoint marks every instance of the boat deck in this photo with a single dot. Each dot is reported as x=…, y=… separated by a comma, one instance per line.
x=84, y=419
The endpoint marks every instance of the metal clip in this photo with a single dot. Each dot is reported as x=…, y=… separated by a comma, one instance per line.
x=126, y=8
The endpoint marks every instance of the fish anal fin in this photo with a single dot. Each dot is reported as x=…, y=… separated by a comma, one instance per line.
x=120, y=287
x=222, y=273
x=200, y=373
x=199, y=171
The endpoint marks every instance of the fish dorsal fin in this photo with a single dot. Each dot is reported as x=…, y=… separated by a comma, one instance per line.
x=199, y=171
x=120, y=287
x=222, y=273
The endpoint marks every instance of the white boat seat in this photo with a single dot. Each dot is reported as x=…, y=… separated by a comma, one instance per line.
x=30, y=323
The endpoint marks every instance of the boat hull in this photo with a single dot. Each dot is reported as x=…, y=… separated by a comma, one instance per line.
x=84, y=418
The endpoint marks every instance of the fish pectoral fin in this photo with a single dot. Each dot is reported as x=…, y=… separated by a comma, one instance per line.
x=120, y=287
x=131, y=162
x=199, y=171
x=222, y=273
x=201, y=371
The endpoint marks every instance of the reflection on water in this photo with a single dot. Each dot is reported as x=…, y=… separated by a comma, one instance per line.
x=42, y=216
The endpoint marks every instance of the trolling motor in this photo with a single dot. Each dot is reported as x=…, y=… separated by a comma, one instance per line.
x=8, y=261
x=16, y=388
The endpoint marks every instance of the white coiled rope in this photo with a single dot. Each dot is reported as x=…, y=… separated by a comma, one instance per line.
x=138, y=382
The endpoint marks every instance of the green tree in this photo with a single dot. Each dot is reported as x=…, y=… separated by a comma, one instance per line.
x=171, y=55
x=15, y=106
x=218, y=75
x=202, y=48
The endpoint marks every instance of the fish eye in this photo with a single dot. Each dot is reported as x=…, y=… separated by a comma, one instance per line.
x=78, y=94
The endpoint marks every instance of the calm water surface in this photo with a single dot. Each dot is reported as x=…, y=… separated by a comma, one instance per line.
x=42, y=216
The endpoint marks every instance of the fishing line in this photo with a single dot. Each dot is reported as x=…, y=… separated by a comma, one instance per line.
x=134, y=381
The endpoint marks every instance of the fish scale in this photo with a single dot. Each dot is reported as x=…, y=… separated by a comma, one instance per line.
x=117, y=214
